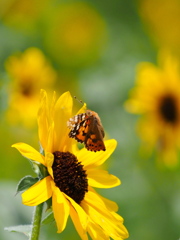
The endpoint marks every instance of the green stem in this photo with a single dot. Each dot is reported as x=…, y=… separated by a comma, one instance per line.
x=36, y=222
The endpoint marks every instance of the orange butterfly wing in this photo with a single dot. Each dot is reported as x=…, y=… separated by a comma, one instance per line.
x=94, y=137
x=87, y=128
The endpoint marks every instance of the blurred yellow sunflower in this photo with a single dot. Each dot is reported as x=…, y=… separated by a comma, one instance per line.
x=72, y=175
x=77, y=34
x=28, y=73
x=163, y=24
x=156, y=97
x=21, y=14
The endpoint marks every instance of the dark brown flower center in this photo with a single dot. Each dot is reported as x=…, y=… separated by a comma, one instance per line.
x=26, y=87
x=69, y=175
x=168, y=109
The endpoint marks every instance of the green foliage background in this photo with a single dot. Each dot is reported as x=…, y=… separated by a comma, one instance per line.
x=149, y=196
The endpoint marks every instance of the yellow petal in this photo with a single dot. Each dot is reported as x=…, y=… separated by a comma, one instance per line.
x=110, y=205
x=50, y=138
x=96, y=232
x=29, y=152
x=49, y=159
x=61, y=209
x=102, y=179
x=80, y=212
x=42, y=118
x=72, y=146
x=92, y=159
x=77, y=223
x=103, y=217
x=62, y=112
x=38, y=193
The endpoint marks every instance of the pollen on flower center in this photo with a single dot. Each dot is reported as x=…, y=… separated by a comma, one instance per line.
x=69, y=175
x=168, y=109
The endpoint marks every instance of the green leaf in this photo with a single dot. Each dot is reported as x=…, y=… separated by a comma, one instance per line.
x=39, y=169
x=42, y=171
x=48, y=218
x=26, y=183
x=41, y=150
x=25, y=229
x=35, y=166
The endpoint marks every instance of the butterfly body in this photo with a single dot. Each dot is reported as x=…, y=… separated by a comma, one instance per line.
x=87, y=128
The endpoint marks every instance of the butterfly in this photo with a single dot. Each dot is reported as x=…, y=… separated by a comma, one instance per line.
x=87, y=128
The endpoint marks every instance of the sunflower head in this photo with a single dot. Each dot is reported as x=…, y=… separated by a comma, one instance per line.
x=156, y=97
x=168, y=109
x=71, y=175
x=78, y=35
x=28, y=72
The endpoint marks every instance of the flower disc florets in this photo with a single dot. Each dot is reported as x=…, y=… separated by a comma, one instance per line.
x=69, y=175
x=168, y=109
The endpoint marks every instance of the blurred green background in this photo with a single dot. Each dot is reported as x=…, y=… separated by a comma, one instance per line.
x=93, y=48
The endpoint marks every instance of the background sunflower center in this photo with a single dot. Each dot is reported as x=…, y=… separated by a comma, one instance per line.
x=26, y=87
x=69, y=175
x=168, y=109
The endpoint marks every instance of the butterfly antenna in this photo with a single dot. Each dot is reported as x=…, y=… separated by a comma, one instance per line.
x=80, y=101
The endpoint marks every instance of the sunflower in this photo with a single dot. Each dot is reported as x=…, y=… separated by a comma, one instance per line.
x=28, y=72
x=163, y=24
x=72, y=174
x=156, y=97
x=78, y=36
x=20, y=15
